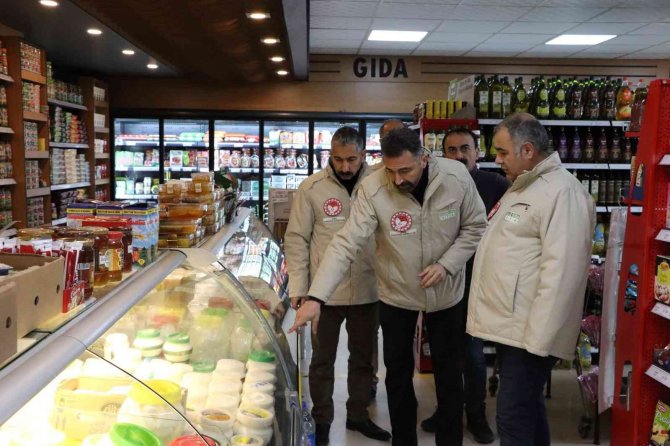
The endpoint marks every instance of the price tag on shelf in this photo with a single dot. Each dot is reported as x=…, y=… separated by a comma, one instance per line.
x=659, y=375
x=663, y=235
x=665, y=161
x=661, y=310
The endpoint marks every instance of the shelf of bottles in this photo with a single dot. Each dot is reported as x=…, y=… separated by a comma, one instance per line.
x=237, y=148
x=185, y=148
x=288, y=146
x=136, y=158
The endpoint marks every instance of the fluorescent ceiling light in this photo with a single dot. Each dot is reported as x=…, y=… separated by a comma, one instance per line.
x=277, y=59
x=580, y=39
x=282, y=72
x=258, y=15
x=270, y=41
x=94, y=31
x=49, y=3
x=128, y=52
x=152, y=66
x=397, y=36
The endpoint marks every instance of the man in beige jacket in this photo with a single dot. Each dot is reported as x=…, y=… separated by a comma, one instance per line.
x=530, y=275
x=427, y=219
x=319, y=210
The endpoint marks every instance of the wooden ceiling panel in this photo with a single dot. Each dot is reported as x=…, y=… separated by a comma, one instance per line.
x=205, y=39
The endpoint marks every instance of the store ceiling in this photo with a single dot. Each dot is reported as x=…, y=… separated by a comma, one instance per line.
x=493, y=28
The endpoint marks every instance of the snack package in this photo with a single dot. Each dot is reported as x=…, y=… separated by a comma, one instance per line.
x=660, y=429
x=662, y=280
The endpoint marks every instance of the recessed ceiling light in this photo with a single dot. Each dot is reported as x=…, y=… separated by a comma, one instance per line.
x=152, y=66
x=277, y=59
x=49, y=3
x=270, y=41
x=580, y=39
x=94, y=31
x=128, y=52
x=258, y=15
x=397, y=36
x=282, y=72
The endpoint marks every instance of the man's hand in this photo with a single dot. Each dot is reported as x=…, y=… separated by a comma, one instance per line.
x=309, y=311
x=432, y=275
x=296, y=302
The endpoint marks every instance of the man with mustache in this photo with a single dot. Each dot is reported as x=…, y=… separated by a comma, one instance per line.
x=427, y=219
x=320, y=208
x=460, y=144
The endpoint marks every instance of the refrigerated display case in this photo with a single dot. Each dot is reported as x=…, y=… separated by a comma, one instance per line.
x=373, y=146
x=322, y=135
x=185, y=147
x=286, y=155
x=136, y=158
x=184, y=327
x=238, y=148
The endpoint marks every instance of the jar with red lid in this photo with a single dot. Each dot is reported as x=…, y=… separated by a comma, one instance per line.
x=115, y=253
x=101, y=254
x=127, y=247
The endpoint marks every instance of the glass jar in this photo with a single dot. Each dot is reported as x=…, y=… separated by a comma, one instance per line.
x=35, y=241
x=291, y=162
x=127, y=247
x=269, y=159
x=101, y=254
x=255, y=159
x=116, y=254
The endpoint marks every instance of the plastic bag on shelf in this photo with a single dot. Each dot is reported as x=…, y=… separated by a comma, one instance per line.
x=596, y=279
x=591, y=327
x=589, y=384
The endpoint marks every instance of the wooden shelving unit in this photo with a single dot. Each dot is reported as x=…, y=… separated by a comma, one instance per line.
x=89, y=84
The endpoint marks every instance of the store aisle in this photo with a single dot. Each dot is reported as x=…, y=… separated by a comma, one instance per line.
x=565, y=407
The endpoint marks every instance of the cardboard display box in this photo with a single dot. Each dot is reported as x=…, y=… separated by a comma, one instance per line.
x=7, y=321
x=39, y=288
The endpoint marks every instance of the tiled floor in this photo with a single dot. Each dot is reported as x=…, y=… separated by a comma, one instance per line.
x=565, y=408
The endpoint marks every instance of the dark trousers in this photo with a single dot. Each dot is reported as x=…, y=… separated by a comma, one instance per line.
x=361, y=324
x=521, y=415
x=474, y=377
x=445, y=334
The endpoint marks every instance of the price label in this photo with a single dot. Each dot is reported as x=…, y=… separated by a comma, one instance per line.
x=663, y=235
x=661, y=310
x=659, y=375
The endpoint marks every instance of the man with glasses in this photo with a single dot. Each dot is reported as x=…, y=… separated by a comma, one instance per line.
x=460, y=144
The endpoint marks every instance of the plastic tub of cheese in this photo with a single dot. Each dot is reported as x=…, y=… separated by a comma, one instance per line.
x=186, y=210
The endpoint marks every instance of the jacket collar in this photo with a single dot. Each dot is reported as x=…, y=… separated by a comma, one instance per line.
x=549, y=164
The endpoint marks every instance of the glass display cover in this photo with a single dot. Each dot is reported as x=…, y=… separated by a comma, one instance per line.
x=136, y=158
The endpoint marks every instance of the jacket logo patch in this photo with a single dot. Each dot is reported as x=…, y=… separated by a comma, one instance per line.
x=401, y=221
x=332, y=207
x=512, y=217
x=449, y=213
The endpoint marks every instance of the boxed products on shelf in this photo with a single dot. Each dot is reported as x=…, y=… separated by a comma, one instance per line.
x=30, y=136
x=31, y=97
x=5, y=206
x=99, y=120
x=4, y=68
x=436, y=109
x=63, y=91
x=67, y=127
x=4, y=114
x=101, y=146
x=60, y=200
x=99, y=94
x=31, y=58
x=35, y=212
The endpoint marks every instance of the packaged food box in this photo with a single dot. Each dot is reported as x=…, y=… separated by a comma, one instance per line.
x=8, y=314
x=206, y=198
x=660, y=429
x=188, y=226
x=76, y=212
x=186, y=210
x=144, y=219
x=39, y=288
x=662, y=279
x=176, y=241
x=198, y=188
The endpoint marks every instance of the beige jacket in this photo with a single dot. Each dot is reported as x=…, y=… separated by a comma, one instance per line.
x=410, y=237
x=531, y=267
x=320, y=208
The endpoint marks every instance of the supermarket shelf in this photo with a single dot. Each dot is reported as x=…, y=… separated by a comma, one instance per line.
x=7, y=181
x=37, y=154
x=101, y=130
x=67, y=145
x=137, y=197
x=186, y=144
x=34, y=116
x=59, y=221
x=67, y=104
x=101, y=181
x=289, y=146
x=101, y=104
x=602, y=209
x=102, y=156
x=566, y=122
x=33, y=77
x=244, y=170
x=137, y=143
x=183, y=169
x=236, y=145
x=39, y=192
x=137, y=169
x=69, y=186
x=661, y=310
x=659, y=375
x=619, y=166
x=6, y=130
x=587, y=166
x=5, y=78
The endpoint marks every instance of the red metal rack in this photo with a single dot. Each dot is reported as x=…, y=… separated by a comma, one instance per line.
x=639, y=330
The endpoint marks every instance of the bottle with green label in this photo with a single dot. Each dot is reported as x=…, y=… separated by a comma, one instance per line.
x=542, y=106
x=482, y=98
x=520, y=97
x=495, y=98
x=506, y=97
x=559, y=107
